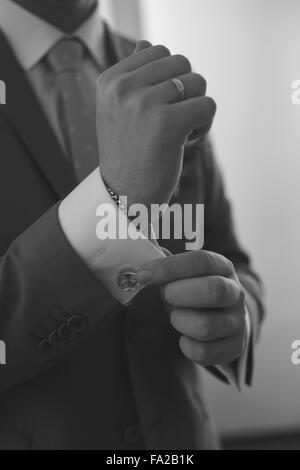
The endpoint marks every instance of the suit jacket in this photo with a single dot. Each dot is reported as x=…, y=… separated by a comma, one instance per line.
x=113, y=378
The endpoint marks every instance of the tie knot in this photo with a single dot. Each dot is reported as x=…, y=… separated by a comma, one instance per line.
x=66, y=55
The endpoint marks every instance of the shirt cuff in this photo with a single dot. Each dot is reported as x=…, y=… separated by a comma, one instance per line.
x=236, y=373
x=106, y=257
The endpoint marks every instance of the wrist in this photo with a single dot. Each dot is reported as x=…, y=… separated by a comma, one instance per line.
x=120, y=202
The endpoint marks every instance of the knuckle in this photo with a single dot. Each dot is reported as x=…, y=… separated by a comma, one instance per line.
x=201, y=82
x=183, y=63
x=162, y=51
x=121, y=85
x=212, y=105
x=145, y=100
x=228, y=264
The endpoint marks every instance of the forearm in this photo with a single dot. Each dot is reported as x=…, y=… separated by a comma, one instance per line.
x=41, y=276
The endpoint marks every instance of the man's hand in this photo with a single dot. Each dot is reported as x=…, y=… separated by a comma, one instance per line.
x=207, y=302
x=142, y=125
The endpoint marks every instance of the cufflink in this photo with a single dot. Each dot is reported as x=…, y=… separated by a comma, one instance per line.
x=127, y=280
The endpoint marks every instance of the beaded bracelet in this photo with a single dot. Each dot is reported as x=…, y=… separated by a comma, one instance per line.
x=123, y=207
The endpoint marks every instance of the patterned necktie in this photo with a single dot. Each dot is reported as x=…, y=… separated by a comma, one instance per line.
x=76, y=106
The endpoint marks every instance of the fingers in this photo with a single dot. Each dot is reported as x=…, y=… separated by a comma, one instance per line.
x=151, y=69
x=204, y=292
x=220, y=352
x=194, y=85
x=137, y=60
x=185, y=265
x=198, y=112
x=207, y=325
x=163, y=69
x=141, y=45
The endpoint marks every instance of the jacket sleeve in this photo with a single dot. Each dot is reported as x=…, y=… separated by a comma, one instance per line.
x=221, y=237
x=44, y=283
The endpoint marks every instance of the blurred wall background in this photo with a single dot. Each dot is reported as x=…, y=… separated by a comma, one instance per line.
x=249, y=51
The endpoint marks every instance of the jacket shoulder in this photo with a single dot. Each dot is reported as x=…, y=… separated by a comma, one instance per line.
x=119, y=45
x=126, y=45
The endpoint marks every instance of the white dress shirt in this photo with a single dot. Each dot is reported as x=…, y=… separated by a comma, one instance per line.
x=31, y=39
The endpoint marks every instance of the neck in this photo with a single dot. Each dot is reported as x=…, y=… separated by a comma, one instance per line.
x=66, y=15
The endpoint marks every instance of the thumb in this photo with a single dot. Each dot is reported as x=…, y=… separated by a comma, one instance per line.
x=141, y=45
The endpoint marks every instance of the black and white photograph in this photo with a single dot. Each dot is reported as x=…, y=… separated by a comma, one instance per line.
x=149, y=227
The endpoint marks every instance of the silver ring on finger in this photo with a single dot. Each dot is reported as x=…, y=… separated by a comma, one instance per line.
x=179, y=87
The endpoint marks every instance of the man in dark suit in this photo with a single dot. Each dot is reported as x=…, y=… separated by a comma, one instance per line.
x=91, y=363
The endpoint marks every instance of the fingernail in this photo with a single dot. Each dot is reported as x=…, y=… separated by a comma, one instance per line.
x=144, y=276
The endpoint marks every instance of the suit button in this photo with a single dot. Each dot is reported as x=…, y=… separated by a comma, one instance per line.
x=65, y=333
x=77, y=324
x=133, y=435
x=54, y=339
x=45, y=346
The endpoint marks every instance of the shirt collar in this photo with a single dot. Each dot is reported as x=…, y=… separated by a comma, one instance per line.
x=31, y=38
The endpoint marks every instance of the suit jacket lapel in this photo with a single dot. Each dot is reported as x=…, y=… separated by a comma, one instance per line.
x=29, y=122
x=116, y=47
